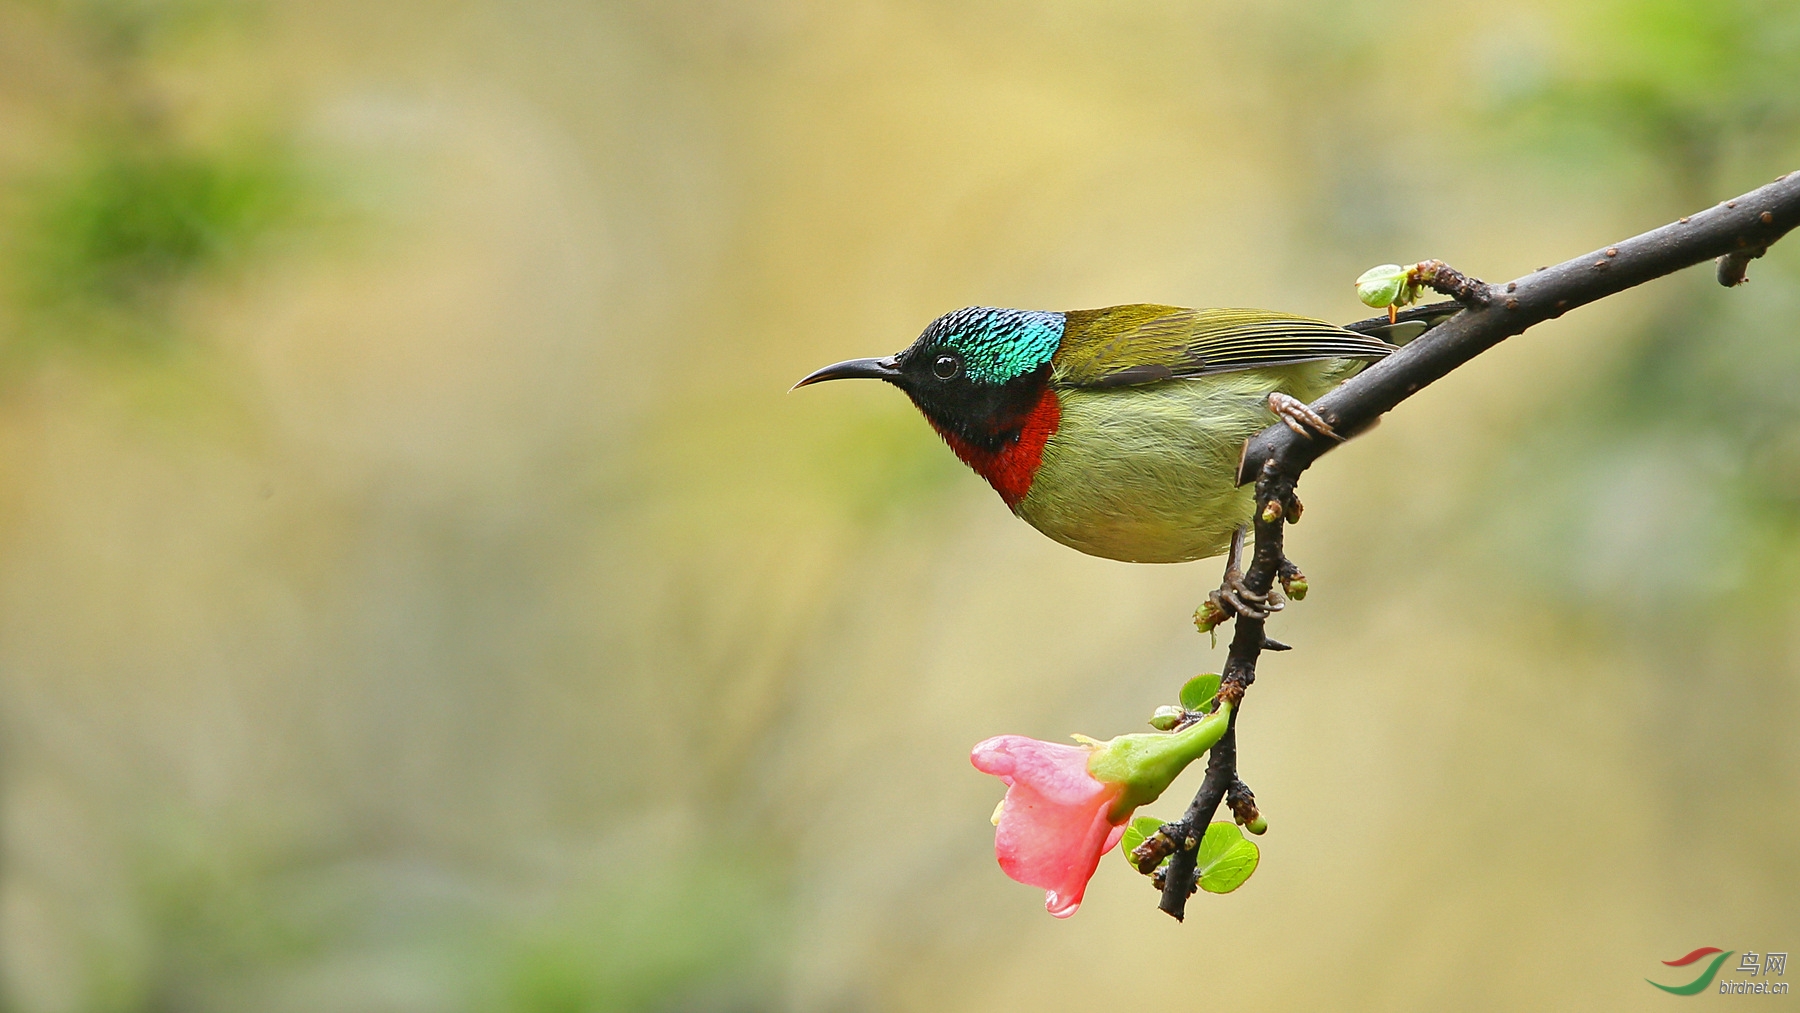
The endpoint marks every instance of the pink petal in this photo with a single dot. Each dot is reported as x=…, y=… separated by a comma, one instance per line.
x=1054, y=828
x=1057, y=771
x=1113, y=839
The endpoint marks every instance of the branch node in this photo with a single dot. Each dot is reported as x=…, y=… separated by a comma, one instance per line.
x=1242, y=802
x=1470, y=291
x=1734, y=268
x=1148, y=855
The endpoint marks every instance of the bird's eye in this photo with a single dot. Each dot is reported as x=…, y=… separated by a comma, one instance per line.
x=946, y=366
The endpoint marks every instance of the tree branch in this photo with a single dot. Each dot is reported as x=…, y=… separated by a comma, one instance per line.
x=1736, y=229
x=1733, y=233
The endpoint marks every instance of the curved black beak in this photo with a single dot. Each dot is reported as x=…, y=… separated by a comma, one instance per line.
x=855, y=369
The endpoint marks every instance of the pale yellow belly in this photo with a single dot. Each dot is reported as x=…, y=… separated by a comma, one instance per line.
x=1145, y=474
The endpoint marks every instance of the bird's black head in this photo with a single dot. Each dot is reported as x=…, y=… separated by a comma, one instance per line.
x=975, y=373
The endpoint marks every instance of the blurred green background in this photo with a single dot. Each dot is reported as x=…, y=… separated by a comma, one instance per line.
x=419, y=592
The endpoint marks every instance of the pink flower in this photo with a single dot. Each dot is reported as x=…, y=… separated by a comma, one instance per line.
x=1057, y=819
x=1066, y=806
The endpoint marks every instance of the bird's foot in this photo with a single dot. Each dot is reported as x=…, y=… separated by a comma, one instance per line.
x=1234, y=597
x=1300, y=417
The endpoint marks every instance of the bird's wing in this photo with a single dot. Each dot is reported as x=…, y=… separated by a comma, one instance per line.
x=1122, y=345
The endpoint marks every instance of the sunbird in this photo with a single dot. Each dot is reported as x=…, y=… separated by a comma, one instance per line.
x=1117, y=431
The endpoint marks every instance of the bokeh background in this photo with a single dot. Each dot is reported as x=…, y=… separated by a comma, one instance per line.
x=419, y=591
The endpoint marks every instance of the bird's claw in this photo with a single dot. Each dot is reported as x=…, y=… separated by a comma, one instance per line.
x=1299, y=416
x=1234, y=598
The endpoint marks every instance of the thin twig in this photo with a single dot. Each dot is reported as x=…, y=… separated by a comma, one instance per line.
x=1248, y=641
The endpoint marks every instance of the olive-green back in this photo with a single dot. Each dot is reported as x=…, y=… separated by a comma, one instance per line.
x=1145, y=343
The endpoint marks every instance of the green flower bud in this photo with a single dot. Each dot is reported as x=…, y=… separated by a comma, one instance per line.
x=1380, y=286
x=1166, y=717
x=1387, y=285
x=1258, y=826
x=1208, y=617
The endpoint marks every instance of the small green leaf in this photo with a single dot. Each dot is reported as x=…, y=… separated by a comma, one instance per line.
x=1139, y=830
x=1380, y=287
x=1225, y=859
x=1199, y=692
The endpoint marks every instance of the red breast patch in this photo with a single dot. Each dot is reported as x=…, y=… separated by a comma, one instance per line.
x=1011, y=468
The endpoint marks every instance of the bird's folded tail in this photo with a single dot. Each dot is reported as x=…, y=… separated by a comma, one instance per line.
x=1407, y=324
